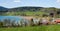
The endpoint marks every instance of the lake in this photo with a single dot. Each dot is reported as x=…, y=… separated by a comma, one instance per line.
x=17, y=18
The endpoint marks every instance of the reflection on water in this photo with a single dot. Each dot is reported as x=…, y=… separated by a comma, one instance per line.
x=21, y=21
x=18, y=20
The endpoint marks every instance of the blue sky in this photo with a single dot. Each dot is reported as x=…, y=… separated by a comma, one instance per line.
x=39, y=3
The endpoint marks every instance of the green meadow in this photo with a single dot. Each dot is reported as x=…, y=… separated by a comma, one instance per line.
x=27, y=13
x=34, y=28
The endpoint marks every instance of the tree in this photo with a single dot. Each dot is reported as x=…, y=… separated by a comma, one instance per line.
x=32, y=22
x=7, y=22
x=1, y=23
x=13, y=23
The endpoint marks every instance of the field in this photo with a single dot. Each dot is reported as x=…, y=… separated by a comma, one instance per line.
x=28, y=13
x=34, y=28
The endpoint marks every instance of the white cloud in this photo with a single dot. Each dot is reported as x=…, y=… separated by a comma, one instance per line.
x=16, y=1
x=58, y=1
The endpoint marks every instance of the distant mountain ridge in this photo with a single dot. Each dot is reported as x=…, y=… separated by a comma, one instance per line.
x=3, y=9
x=26, y=8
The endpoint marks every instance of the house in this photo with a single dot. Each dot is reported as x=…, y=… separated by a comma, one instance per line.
x=57, y=20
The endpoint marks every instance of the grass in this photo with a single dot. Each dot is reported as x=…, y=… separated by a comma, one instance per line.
x=51, y=28
x=35, y=28
x=27, y=13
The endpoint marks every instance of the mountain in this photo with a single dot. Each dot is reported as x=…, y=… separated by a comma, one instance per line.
x=3, y=9
x=26, y=9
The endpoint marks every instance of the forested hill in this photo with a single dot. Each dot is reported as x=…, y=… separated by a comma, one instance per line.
x=29, y=11
x=3, y=9
x=21, y=9
x=26, y=9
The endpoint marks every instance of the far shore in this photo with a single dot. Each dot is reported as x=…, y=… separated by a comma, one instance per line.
x=30, y=17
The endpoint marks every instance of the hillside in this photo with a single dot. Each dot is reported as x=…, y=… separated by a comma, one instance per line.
x=28, y=11
x=3, y=9
x=33, y=9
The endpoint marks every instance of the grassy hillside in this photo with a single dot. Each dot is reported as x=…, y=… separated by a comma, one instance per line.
x=27, y=13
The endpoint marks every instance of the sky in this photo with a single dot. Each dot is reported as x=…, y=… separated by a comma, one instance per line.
x=36, y=3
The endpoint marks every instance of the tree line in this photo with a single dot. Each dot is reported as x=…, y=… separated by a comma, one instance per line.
x=13, y=23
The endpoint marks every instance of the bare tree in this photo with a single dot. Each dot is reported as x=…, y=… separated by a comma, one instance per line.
x=7, y=22
x=13, y=23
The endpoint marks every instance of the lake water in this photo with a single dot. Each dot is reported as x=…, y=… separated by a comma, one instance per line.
x=17, y=18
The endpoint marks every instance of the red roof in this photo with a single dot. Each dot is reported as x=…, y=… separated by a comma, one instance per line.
x=57, y=20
